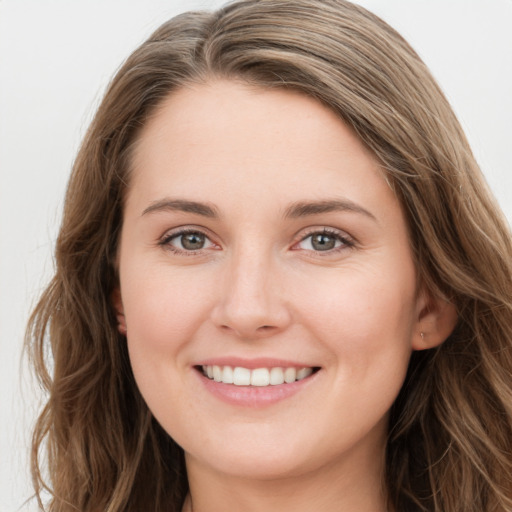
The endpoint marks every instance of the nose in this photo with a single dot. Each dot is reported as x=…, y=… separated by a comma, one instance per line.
x=251, y=302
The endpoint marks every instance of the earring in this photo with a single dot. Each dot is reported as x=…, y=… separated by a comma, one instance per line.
x=422, y=334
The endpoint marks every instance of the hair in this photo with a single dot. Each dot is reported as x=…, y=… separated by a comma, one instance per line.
x=450, y=435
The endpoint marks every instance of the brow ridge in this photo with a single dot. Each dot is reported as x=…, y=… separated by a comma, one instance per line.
x=306, y=208
x=295, y=210
x=183, y=205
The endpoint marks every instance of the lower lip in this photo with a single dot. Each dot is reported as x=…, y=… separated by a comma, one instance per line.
x=254, y=396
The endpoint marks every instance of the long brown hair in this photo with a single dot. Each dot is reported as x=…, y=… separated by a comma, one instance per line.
x=450, y=437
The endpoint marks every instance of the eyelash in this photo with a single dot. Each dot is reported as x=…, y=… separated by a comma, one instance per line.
x=346, y=241
x=168, y=237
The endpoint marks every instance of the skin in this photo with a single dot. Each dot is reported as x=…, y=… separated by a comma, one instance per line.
x=260, y=288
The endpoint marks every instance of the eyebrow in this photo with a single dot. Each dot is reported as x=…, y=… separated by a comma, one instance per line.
x=181, y=205
x=306, y=208
x=296, y=210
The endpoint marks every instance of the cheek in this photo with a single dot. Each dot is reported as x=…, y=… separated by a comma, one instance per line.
x=163, y=309
x=365, y=318
x=359, y=302
x=367, y=329
x=163, y=312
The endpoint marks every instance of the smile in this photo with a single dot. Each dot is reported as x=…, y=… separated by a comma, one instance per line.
x=260, y=377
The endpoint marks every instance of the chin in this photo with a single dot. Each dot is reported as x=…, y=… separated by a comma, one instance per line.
x=256, y=460
x=253, y=467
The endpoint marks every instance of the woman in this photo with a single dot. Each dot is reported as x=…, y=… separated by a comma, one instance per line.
x=281, y=281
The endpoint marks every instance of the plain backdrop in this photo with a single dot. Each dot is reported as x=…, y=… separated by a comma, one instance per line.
x=56, y=57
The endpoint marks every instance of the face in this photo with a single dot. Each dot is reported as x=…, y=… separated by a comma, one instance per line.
x=267, y=286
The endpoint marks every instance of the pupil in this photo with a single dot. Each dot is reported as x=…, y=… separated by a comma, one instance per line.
x=322, y=242
x=193, y=241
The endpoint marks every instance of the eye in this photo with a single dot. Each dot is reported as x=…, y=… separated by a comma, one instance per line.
x=187, y=241
x=324, y=241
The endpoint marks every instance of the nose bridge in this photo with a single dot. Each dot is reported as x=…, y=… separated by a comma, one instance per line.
x=251, y=302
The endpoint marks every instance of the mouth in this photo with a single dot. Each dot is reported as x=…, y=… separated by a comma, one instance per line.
x=257, y=377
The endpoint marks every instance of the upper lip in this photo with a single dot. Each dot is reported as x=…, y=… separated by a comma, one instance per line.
x=251, y=364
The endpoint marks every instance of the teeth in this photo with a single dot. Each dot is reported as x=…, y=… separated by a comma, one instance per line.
x=303, y=373
x=258, y=377
x=276, y=376
x=217, y=374
x=290, y=374
x=241, y=376
x=227, y=375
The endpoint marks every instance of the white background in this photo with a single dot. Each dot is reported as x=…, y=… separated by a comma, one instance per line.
x=56, y=57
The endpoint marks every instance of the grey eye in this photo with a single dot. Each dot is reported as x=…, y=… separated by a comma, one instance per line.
x=192, y=241
x=322, y=242
x=187, y=242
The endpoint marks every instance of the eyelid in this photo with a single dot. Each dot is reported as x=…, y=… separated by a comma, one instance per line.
x=164, y=240
x=348, y=241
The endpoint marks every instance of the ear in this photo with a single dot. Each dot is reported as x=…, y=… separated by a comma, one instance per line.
x=436, y=320
x=117, y=302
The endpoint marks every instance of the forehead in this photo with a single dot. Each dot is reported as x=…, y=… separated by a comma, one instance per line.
x=220, y=108
x=240, y=141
